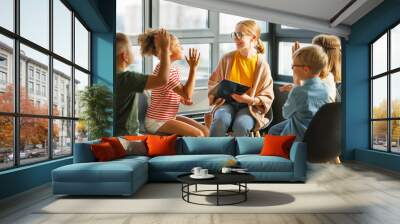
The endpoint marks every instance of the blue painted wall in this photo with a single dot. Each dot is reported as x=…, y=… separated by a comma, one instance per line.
x=356, y=104
x=99, y=16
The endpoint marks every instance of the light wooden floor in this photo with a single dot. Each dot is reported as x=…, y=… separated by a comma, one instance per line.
x=378, y=188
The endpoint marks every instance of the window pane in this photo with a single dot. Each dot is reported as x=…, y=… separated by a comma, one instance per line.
x=395, y=138
x=200, y=102
x=228, y=22
x=81, y=131
x=62, y=138
x=379, y=97
x=284, y=27
x=7, y=14
x=395, y=47
x=203, y=69
x=34, y=79
x=62, y=29
x=285, y=57
x=379, y=135
x=395, y=95
x=6, y=75
x=81, y=45
x=62, y=89
x=81, y=81
x=228, y=47
x=35, y=21
x=177, y=16
x=33, y=139
x=130, y=16
x=6, y=142
x=137, y=65
x=379, y=55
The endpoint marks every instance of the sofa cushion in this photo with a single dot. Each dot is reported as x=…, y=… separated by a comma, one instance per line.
x=257, y=163
x=103, y=152
x=275, y=145
x=248, y=145
x=161, y=145
x=206, y=145
x=116, y=145
x=185, y=163
x=83, y=152
x=112, y=171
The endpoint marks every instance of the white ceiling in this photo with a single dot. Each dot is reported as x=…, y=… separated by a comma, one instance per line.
x=313, y=15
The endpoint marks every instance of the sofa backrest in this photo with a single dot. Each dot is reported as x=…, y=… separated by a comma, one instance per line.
x=249, y=145
x=83, y=152
x=214, y=145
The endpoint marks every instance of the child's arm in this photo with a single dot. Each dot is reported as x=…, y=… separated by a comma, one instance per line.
x=163, y=41
x=294, y=101
x=186, y=91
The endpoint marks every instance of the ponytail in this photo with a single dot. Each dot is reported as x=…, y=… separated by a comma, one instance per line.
x=260, y=46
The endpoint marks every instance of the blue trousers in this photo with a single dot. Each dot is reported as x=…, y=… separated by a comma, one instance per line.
x=278, y=128
x=232, y=115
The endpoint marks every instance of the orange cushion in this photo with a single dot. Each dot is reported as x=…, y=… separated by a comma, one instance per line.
x=103, y=151
x=116, y=145
x=135, y=137
x=277, y=145
x=161, y=145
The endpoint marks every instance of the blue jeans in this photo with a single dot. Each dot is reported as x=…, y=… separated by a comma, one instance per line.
x=278, y=128
x=239, y=117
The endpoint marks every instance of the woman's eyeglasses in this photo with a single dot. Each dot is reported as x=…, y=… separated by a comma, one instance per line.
x=237, y=35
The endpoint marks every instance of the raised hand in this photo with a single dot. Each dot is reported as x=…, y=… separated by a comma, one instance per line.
x=194, y=57
x=295, y=46
x=286, y=88
x=163, y=40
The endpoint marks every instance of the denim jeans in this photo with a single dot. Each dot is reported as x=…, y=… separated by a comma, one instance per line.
x=278, y=128
x=228, y=115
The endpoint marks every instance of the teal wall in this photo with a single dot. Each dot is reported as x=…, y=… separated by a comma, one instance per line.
x=356, y=83
x=99, y=16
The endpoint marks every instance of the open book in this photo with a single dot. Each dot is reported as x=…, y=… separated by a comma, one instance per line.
x=226, y=88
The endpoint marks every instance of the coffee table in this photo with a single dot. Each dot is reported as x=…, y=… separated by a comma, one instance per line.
x=238, y=179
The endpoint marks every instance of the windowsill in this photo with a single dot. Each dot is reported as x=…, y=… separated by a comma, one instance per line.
x=26, y=167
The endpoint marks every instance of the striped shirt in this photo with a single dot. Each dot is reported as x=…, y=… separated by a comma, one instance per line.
x=164, y=101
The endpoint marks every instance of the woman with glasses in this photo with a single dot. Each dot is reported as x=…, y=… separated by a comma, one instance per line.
x=246, y=66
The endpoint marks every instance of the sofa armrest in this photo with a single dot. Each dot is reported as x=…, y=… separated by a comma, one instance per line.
x=83, y=152
x=298, y=155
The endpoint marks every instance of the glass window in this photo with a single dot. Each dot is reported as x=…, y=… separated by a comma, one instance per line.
x=6, y=71
x=34, y=144
x=379, y=56
x=81, y=81
x=137, y=65
x=395, y=136
x=81, y=131
x=285, y=57
x=62, y=72
x=395, y=95
x=228, y=22
x=39, y=61
x=379, y=135
x=7, y=14
x=6, y=142
x=203, y=70
x=62, y=29
x=284, y=27
x=177, y=16
x=395, y=47
x=62, y=138
x=130, y=16
x=35, y=21
x=379, y=97
x=81, y=45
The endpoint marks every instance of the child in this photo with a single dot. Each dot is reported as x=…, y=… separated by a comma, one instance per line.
x=128, y=83
x=161, y=115
x=304, y=100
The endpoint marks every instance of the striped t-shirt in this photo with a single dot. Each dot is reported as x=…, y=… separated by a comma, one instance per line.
x=164, y=101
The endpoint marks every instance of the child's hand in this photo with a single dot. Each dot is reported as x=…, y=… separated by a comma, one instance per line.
x=163, y=40
x=187, y=102
x=194, y=56
x=295, y=46
x=286, y=88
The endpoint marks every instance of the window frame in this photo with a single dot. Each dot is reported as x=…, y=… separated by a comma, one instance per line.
x=388, y=74
x=16, y=114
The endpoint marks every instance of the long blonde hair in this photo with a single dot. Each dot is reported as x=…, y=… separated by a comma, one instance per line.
x=250, y=27
x=331, y=46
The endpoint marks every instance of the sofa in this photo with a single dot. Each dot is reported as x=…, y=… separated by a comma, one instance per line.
x=125, y=176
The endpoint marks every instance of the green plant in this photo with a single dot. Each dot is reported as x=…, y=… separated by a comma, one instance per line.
x=96, y=104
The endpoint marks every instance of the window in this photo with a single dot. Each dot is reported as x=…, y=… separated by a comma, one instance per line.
x=228, y=22
x=385, y=97
x=44, y=131
x=285, y=58
x=177, y=17
x=81, y=81
x=130, y=16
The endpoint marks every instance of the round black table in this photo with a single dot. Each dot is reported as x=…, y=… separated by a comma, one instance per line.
x=238, y=179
